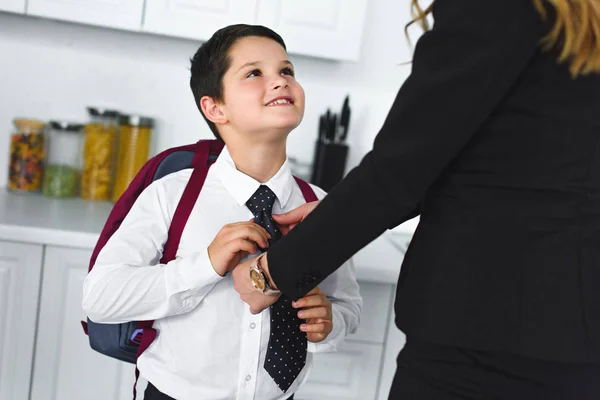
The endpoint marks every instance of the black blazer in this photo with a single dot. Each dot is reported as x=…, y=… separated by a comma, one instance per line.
x=498, y=146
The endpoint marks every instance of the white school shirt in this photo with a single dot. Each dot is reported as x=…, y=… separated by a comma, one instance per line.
x=209, y=345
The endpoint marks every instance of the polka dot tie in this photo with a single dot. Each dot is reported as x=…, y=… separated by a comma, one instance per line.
x=286, y=354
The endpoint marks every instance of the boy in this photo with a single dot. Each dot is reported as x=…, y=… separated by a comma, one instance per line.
x=209, y=345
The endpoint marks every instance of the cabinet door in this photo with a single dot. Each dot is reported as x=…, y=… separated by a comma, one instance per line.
x=321, y=28
x=374, y=316
x=17, y=6
x=20, y=270
x=196, y=19
x=65, y=366
x=121, y=14
x=394, y=343
x=351, y=373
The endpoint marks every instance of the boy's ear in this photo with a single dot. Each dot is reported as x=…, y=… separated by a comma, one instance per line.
x=212, y=110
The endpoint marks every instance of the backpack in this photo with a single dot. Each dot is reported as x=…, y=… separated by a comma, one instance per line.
x=128, y=340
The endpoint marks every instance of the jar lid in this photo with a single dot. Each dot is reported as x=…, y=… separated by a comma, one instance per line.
x=66, y=126
x=102, y=112
x=136, y=120
x=32, y=124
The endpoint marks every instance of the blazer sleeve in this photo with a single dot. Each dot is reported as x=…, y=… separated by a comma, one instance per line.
x=462, y=70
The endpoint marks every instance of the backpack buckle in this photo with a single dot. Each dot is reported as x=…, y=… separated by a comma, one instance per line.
x=136, y=337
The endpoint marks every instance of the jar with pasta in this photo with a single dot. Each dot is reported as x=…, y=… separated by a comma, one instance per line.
x=99, y=154
x=26, y=158
x=135, y=133
x=63, y=160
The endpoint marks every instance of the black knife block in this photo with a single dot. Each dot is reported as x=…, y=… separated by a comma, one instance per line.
x=329, y=164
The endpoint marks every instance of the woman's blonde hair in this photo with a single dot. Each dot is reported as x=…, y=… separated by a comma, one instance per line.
x=576, y=31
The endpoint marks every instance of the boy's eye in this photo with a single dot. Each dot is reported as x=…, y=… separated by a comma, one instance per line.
x=255, y=72
x=287, y=71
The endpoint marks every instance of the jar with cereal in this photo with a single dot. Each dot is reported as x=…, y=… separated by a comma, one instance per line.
x=135, y=133
x=26, y=159
x=99, y=154
x=63, y=160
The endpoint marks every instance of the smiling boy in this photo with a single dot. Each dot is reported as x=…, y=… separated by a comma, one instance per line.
x=210, y=346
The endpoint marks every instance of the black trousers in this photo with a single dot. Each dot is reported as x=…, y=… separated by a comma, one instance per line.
x=152, y=393
x=428, y=371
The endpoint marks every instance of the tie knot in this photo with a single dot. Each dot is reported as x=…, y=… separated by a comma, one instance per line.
x=262, y=200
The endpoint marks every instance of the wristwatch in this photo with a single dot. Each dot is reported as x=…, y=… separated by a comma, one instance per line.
x=259, y=280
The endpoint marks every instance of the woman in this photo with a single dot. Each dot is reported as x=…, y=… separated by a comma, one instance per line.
x=494, y=141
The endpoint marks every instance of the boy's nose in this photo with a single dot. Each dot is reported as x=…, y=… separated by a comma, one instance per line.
x=280, y=82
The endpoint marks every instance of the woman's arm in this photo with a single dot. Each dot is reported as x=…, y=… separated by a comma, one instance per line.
x=463, y=68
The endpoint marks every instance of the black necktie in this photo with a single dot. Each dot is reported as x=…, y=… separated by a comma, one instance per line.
x=286, y=354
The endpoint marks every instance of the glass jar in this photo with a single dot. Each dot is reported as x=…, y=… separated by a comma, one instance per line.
x=63, y=165
x=26, y=160
x=99, y=154
x=135, y=133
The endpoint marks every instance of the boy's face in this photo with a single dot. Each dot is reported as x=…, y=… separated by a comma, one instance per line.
x=260, y=93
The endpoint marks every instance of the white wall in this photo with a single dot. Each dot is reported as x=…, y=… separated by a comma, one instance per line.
x=53, y=70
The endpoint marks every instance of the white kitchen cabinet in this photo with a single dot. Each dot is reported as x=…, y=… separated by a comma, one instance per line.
x=65, y=366
x=351, y=373
x=20, y=271
x=321, y=28
x=376, y=308
x=16, y=6
x=196, y=19
x=394, y=343
x=120, y=14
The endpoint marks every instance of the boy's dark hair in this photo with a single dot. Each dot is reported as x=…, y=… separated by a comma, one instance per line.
x=212, y=60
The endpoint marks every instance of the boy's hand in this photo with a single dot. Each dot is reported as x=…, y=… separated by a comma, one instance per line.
x=234, y=242
x=316, y=309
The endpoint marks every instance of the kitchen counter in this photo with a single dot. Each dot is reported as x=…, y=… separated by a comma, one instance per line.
x=33, y=218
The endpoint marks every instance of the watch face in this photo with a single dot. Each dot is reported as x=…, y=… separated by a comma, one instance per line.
x=257, y=280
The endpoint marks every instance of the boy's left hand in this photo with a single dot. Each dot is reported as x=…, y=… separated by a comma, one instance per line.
x=316, y=310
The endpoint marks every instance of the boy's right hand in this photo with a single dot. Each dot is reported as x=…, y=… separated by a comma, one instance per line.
x=234, y=242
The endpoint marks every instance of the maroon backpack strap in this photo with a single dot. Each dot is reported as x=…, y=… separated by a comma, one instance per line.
x=213, y=147
x=188, y=199
x=307, y=190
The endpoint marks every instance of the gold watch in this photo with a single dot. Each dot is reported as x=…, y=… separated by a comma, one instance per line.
x=259, y=280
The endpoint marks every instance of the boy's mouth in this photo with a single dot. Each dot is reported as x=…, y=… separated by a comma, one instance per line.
x=281, y=100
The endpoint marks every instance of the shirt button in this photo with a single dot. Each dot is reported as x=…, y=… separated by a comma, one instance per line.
x=248, y=377
x=252, y=326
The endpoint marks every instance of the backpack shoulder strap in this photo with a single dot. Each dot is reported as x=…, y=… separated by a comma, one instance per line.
x=307, y=190
x=201, y=164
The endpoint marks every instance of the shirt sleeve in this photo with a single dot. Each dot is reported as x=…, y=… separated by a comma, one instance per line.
x=128, y=283
x=462, y=70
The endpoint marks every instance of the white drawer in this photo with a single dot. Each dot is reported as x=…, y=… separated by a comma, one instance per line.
x=351, y=373
x=377, y=306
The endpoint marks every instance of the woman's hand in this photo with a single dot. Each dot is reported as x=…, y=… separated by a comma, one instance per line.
x=289, y=220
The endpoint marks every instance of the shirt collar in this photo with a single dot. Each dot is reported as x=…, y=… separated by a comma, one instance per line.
x=241, y=186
